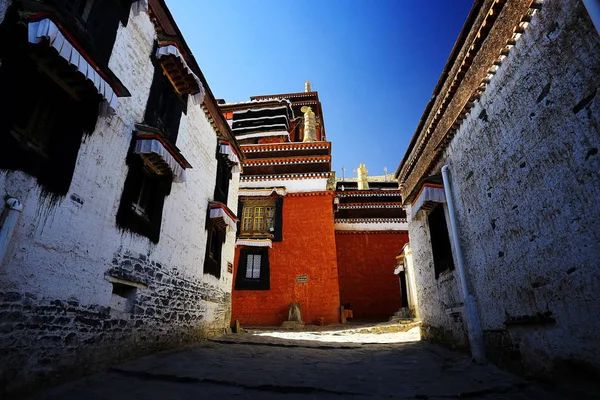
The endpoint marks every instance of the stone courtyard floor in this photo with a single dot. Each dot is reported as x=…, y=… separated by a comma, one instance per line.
x=362, y=363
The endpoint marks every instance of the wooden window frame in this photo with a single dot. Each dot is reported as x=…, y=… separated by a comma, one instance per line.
x=255, y=219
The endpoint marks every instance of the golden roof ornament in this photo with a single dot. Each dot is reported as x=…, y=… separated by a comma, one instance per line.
x=307, y=86
x=310, y=125
x=363, y=183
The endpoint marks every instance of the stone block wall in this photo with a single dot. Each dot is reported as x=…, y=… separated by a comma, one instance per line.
x=525, y=170
x=59, y=316
x=308, y=248
x=366, y=272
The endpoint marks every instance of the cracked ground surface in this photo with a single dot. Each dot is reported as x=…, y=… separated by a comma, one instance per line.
x=304, y=365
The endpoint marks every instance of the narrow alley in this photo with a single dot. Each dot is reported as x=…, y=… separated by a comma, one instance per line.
x=374, y=361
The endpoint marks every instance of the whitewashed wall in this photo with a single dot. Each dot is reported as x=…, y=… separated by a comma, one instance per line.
x=55, y=266
x=525, y=171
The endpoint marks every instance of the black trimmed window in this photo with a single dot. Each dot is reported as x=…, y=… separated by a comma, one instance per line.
x=223, y=179
x=214, y=248
x=440, y=241
x=253, y=271
x=261, y=218
x=145, y=190
x=98, y=20
x=41, y=124
x=141, y=207
x=165, y=105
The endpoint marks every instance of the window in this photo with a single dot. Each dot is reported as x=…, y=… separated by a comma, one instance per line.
x=143, y=198
x=262, y=218
x=99, y=18
x=223, y=178
x=123, y=297
x=214, y=246
x=440, y=241
x=164, y=106
x=253, y=269
x=42, y=126
x=253, y=262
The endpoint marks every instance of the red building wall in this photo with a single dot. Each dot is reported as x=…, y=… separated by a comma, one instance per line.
x=308, y=248
x=366, y=264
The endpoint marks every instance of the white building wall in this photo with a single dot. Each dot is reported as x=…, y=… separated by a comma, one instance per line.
x=525, y=172
x=61, y=251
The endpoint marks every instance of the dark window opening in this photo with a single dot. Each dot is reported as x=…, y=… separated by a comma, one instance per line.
x=41, y=125
x=223, y=178
x=164, y=106
x=440, y=241
x=97, y=20
x=253, y=271
x=261, y=217
x=123, y=297
x=214, y=247
x=403, y=289
x=143, y=198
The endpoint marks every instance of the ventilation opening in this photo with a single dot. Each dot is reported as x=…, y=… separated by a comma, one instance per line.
x=123, y=297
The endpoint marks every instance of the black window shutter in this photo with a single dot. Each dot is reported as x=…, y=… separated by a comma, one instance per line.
x=265, y=271
x=151, y=115
x=241, y=270
x=240, y=214
x=103, y=23
x=278, y=233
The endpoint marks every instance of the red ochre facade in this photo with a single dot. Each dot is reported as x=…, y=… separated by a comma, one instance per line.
x=365, y=265
x=308, y=248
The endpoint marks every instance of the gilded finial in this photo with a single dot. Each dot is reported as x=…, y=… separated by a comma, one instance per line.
x=307, y=86
x=363, y=183
x=310, y=125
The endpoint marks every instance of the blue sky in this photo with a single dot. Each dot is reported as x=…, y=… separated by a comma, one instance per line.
x=374, y=62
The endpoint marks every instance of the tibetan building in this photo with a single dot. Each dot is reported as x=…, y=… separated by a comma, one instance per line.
x=285, y=249
x=370, y=231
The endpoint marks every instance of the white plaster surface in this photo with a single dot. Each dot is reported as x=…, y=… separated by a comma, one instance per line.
x=525, y=185
x=61, y=251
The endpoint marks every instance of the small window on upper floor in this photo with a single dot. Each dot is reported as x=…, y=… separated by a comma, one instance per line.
x=98, y=18
x=223, y=180
x=214, y=247
x=141, y=207
x=440, y=241
x=164, y=106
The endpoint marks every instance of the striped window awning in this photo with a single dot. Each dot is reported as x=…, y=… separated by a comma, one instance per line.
x=430, y=195
x=46, y=30
x=179, y=73
x=222, y=216
x=160, y=156
x=254, y=242
x=232, y=157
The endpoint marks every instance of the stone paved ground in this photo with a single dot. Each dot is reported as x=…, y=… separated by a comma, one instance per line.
x=305, y=365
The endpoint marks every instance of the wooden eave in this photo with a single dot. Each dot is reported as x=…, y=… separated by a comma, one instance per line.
x=147, y=132
x=484, y=41
x=349, y=213
x=231, y=107
x=174, y=69
x=164, y=24
x=33, y=11
x=290, y=146
x=287, y=160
